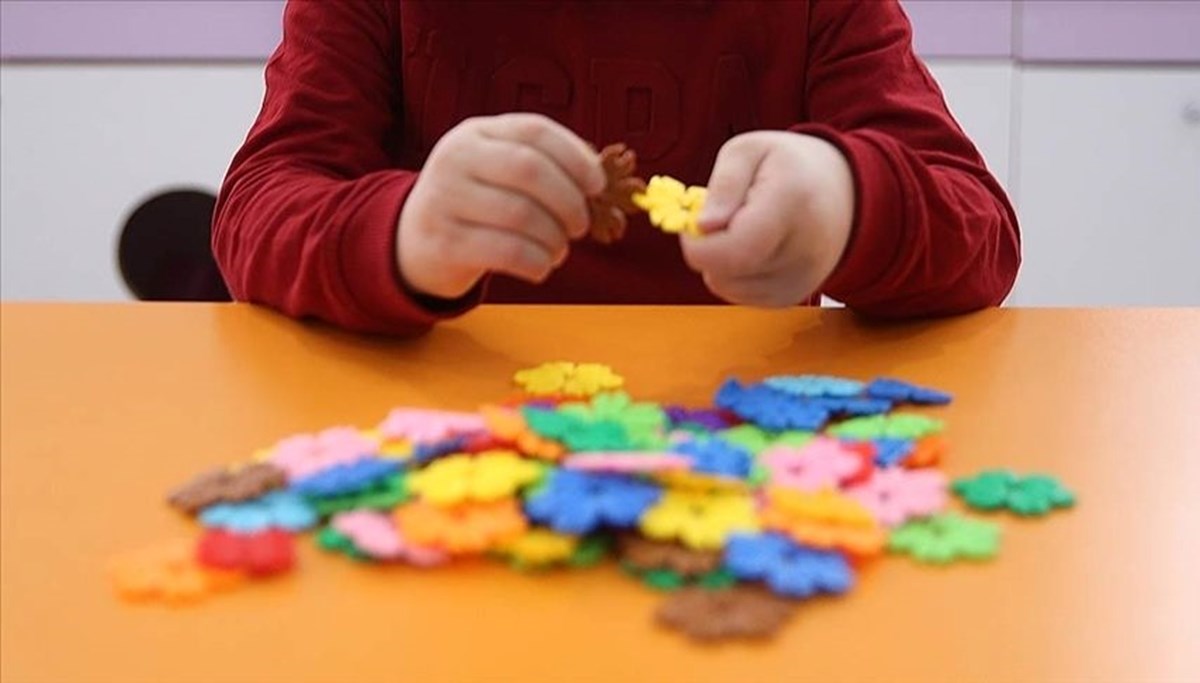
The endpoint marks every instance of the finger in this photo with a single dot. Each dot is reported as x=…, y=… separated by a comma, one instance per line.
x=503, y=251
x=524, y=170
x=575, y=157
x=750, y=245
x=500, y=208
x=732, y=177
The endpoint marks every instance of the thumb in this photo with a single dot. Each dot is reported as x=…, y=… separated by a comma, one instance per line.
x=733, y=174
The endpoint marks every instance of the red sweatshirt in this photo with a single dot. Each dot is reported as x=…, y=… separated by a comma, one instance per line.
x=360, y=90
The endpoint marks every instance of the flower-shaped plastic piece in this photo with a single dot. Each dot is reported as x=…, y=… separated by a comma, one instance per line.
x=768, y=408
x=823, y=463
x=508, y=425
x=627, y=462
x=467, y=528
x=539, y=548
x=895, y=495
x=590, y=551
x=890, y=452
x=384, y=494
x=786, y=567
x=226, y=486
x=418, y=426
x=262, y=553
x=561, y=378
x=716, y=456
x=282, y=509
x=169, y=573
x=374, y=534
x=1034, y=495
x=673, y=207
x=699, y=520
x=755, y=439
x=896, y=426
x=739, y=612
x=815, y=386
x=574, y=502
x=346, y=478
x=853, y=405
x=644, y=423
x=307, y=454
x=578, y=433
x=927, y=452
x=824, y=520
x=489, y=476
x=333, y=540
x=903, y=392
x=608, y=210
x=707, y=418
x=945, y=538
x=643, y=553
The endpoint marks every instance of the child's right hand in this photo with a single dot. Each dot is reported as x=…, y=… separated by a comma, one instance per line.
x=499, y=193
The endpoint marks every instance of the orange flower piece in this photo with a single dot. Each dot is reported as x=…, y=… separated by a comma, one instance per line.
x=467, y=528
x=824, y=520
x=509, y=426
x=927, y=452
x=168, y=572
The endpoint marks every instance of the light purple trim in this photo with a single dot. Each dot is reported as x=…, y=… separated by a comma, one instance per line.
x=1110, y=31
x=139, y=29
x=961, y=28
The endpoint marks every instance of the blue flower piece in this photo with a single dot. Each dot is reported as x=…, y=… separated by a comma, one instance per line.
x=815, y=386
x=717, y=456
x=855, y=407
x=282, y=509
x=889, y=452
x=346, y=478
x=769, y=408
x=903, y=392
x=574, y=502
x=786, y=567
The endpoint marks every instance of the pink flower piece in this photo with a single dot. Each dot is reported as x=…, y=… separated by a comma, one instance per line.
x=375, y=534
x=427, y=426
x=822, y=463
x=896, y=494
x=306, y=454
x=627, y=462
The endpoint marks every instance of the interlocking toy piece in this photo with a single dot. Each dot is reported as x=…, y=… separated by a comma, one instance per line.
x=574, y=502
x=227, y=486
x=908, y=426
x=897, y=495
x=419, y=426
x=169, y=573
x=699, y=520
x=384, y=494
x=646, y=554
x=706, y=418
x=578, y=433
x=562, y=378
x=485, y=477
x=927, y=452
x=815, y=386
x=1034, y=495
x=715, y=456
x=890, y=452
x=374, y=535
x=539, y=548
x=509, y=426
x=903, y=392
x=770, y=409
x=333, y=540
x=464, y=529
x=282, y=509
x=823, y=520
x=643, y=423
x=945, y=538
x=755, y=439
x=673, y=207
x=787, y=567
x=627, y=462
x=346, y=478
x=306, y=454
x=739, y=612
x=260, y=553
x=822, y=463
x=609, y=209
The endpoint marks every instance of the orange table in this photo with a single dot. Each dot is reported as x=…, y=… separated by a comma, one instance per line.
x=105, y=407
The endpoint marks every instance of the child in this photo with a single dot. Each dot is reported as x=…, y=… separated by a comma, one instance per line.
x=387, y=183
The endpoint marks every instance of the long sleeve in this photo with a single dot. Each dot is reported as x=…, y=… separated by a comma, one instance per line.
x=306, y=219
x=933, y=231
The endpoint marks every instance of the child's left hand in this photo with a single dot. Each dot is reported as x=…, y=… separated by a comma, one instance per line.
x=777, y=219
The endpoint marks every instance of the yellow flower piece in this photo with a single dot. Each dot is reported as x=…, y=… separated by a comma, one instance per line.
x=673, y=207
x=561, y=378
x=538, y=548
x=489, y=476
x=824, y=520
x=701, y=521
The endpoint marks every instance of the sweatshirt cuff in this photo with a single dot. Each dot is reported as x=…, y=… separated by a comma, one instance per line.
x=369, y=264
x=876, y=232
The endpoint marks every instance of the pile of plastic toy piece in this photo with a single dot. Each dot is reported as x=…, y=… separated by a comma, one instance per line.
x=739, y=511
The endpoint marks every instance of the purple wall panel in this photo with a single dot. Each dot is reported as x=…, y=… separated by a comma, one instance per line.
x=1110, y=31
x=961, y=28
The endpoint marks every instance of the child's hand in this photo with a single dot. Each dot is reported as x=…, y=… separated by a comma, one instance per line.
x=501, y=193
x=777, y=219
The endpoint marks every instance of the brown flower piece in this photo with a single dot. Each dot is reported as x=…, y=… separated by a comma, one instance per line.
x=608, y=210
x=646, y=554
x=739, y=612
x=224, y=486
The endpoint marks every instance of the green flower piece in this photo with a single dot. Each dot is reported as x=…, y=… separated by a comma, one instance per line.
x=644, y=423
x=670, y=580
x=384, y=495
x=945, y=538
x=897, y=426
x=332, y=540
x=1031, y=496
x=756, y=440
x=577, y=432
x=591, y=551
x=718, y=579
